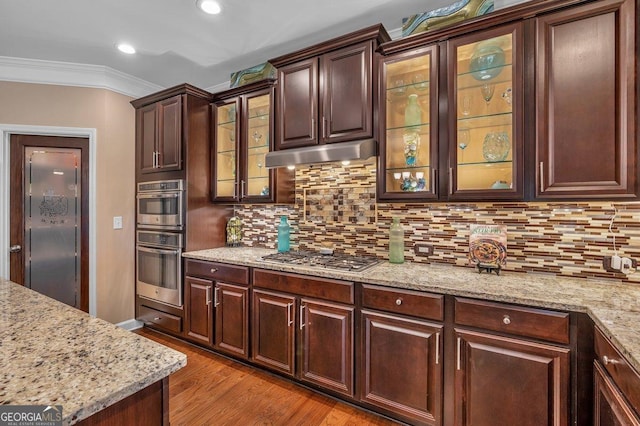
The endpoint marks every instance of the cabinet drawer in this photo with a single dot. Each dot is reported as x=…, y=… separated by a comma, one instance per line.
x=218, y=271
x=521, y=321
x=622, y=373
x=320, y=288
x=413, y=303
x=160, y=319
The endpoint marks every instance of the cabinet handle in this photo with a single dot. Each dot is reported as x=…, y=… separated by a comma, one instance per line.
x=208, y=297
x=506, y=320
x=434, y=176
x=541, y=177
x=324, y=127
x=216, y=299
x=242, y=188
x=450, y=180
x=301, y=317
x=213, y=270
x=289, y=320
x=157, y=318
x=158, y=159
x=606, y=360
x=458, y=354
x=153, y=160
x=399, y=301
x=437, y=348
x=313, y=128
x=235, y=189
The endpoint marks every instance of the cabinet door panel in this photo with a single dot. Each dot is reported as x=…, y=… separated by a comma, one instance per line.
x=232, y=319
x=346, y=109
x=147, y=128
x=273, y=331
x=506, y=381
x=199, y=319
x=327, y=345
x=586, y=102
x=401, y=368
x=610, y=407
x=297, y=104
x=170, y=135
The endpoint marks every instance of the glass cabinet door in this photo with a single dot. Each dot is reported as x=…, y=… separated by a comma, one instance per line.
x=485, y=147
x=226, y=146
x=256, y=182
x=409, y=110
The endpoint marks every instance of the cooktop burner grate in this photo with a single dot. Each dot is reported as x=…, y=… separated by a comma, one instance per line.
x=342, y=262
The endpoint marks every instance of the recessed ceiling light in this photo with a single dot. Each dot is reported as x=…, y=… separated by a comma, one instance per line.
x=126, y=48
x=211, y=7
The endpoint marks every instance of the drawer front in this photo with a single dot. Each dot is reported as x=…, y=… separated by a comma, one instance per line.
x=625, y=377
x=218, y=271
x=406, y=302
x=303, y=285
x=511, y=319
x=160, y=319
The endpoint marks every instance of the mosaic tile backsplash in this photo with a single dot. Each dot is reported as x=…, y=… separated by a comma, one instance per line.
x=335, y=206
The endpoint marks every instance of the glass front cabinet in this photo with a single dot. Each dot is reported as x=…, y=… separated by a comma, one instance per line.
x=460, y=138
x=243, y=135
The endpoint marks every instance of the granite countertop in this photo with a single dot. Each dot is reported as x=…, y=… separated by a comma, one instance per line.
x=53, y=354
x=614, y=307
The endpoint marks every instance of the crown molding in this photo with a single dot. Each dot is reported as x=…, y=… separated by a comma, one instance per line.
x=72, y=74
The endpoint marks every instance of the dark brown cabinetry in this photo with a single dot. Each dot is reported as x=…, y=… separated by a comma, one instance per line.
x=303, y=327
x=503, y=378
x=616, y=386
x=410, y=389
x=586, y=101
x=217, y=306
x=325, y=93
x=159, y=136
x=243, y=135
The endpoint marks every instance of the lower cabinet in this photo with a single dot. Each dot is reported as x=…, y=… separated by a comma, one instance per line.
x=297, y=333
x=232, y=319
x=199, y=312
x=401, y=369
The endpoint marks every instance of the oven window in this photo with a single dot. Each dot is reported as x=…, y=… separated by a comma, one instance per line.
x=158, y=267
x=159, y=206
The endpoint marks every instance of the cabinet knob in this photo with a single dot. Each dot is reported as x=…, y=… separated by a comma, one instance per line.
x=398, y=301
x=157, y=319
x=506, y=320
x=606, y=360
x=213, y=270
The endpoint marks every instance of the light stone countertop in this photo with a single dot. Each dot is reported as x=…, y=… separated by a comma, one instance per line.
x=613, y=306
x=53, y=354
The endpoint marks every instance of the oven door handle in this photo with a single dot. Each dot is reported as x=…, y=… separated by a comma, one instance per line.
x=160, y=195
x=159, y=251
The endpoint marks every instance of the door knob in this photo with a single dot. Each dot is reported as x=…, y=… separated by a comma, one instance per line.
x=15, y=249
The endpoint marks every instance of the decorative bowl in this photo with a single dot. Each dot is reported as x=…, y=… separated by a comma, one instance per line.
x=496, y=146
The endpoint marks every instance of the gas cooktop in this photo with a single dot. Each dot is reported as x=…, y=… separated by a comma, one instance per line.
x=341, y=262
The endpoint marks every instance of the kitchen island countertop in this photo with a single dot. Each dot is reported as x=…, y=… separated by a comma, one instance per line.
x=613, y=306
x=53, y=354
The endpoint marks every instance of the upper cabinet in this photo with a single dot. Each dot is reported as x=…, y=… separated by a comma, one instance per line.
x=474, y=148
x=169, y=125
x=243, y=134
x=586, y=102
x=326, y=93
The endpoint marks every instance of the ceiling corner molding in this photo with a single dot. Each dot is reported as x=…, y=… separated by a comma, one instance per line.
x=72, y=74
x=220, y=87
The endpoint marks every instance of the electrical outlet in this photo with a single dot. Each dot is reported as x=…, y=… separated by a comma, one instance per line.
x=423, y=250
x=619, y=264
x=262, y=239
x=117, y=222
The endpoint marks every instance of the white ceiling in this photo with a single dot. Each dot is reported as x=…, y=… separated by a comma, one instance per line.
x=176, y=42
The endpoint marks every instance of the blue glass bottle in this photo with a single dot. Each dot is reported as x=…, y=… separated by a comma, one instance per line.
x=284, y=231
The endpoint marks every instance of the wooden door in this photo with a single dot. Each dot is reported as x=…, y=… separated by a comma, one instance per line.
x=49, y=229
x=198, y=309
x=169, y=141
x=586, y=102
x=147, y=129
x=273, y=331
x=401, y=367
x=506, y=381
x=610, y=406
x=346, y=109
x=297, y=105
x=327, y=345
x=232, y=319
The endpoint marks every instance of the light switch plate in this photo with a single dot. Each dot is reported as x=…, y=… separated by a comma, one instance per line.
x=117, y=222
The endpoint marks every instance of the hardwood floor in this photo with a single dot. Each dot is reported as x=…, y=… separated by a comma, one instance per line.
x=212, y=390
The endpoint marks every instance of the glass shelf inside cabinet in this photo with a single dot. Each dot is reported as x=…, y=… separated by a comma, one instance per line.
x=407, y=135
x=484, y=115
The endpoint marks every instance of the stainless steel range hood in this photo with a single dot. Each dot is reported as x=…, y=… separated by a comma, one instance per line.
x=341, y=151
